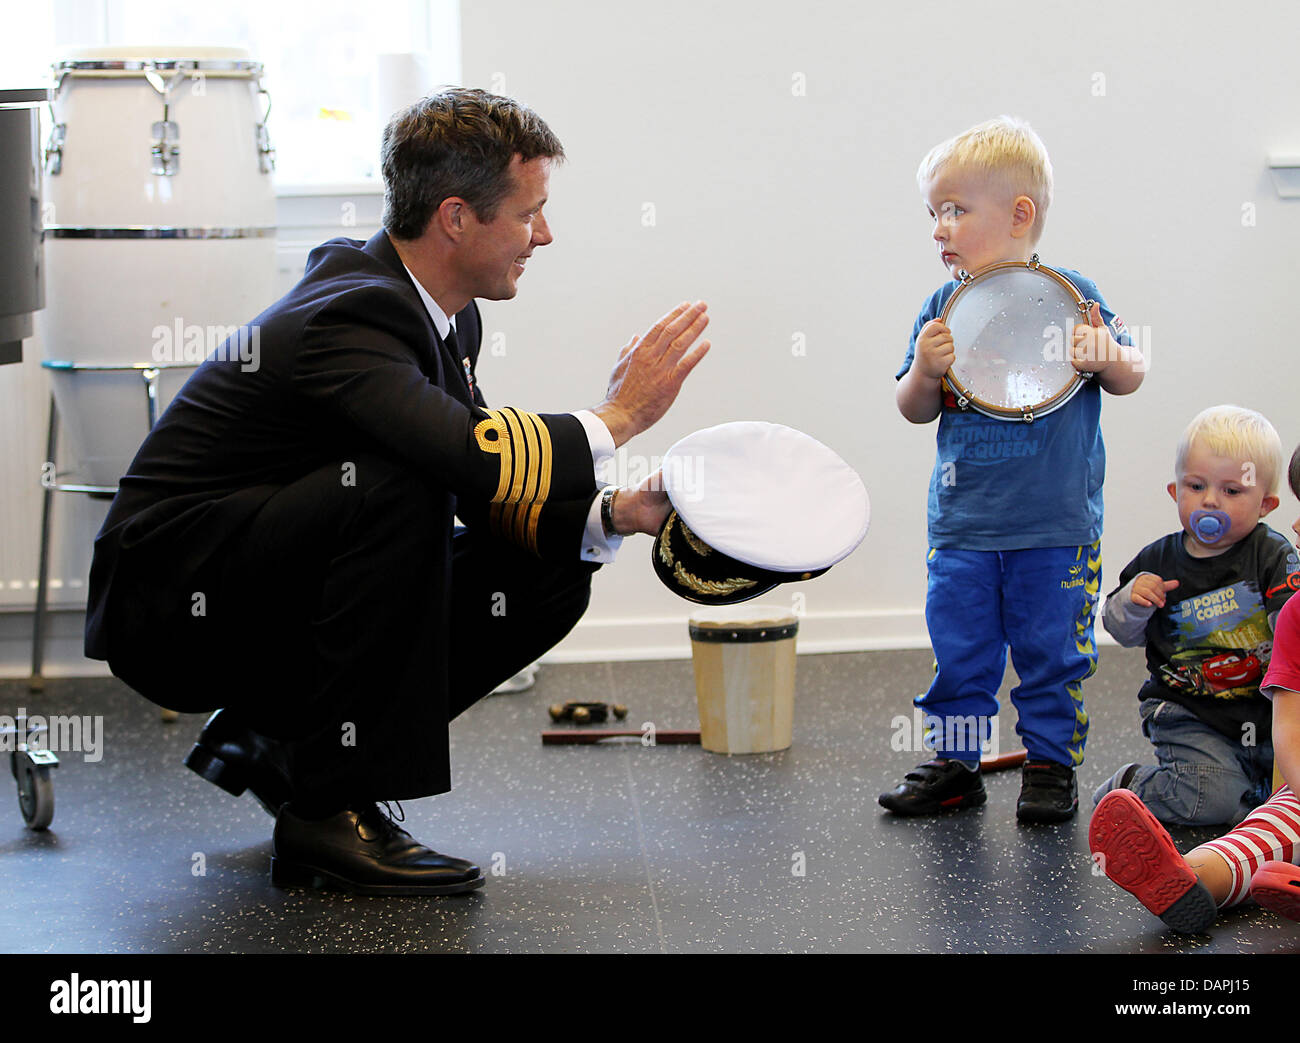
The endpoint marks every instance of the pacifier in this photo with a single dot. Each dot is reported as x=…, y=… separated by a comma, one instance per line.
x=1210, y=526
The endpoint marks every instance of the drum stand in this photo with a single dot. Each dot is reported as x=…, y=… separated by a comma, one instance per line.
x=150, y=373
x=49, y=480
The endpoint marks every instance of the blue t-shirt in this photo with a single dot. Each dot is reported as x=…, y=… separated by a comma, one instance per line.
x=1011, y=485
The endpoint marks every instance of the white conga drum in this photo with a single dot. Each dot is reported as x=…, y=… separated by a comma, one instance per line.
x=1012, y=327
x=159, y=233
x=744, y=658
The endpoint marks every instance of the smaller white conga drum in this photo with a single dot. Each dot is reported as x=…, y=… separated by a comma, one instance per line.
x=1012, y=328
x=744, y=658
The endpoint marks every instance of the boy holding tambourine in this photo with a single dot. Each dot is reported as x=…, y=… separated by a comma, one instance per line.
x=1015, y=508
x=1204, y=601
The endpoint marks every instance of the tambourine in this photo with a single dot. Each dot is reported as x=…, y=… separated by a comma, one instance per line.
x=1012, y=327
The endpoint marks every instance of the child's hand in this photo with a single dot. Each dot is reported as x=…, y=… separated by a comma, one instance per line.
x=935, y=353
x=1094, y=348
x=1149, y=590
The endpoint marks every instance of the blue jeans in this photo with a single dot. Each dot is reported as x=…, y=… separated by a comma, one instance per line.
x=1041, y=604
x=1203, y=778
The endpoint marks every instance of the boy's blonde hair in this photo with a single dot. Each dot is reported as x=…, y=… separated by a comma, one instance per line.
x=1008, y=152
x=1237, y=433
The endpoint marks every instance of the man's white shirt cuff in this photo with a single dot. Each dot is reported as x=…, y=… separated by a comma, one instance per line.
x=596, y=546
x=598, y=437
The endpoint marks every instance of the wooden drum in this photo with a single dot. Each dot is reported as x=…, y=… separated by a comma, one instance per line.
x=744, y=659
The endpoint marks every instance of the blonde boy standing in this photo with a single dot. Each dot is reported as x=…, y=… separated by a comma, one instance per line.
x=1014, y=524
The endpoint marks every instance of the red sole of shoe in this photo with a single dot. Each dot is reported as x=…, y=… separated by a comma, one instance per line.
x=1276, y=886
x=1134, y=850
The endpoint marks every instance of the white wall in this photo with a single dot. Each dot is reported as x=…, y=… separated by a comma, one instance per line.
x=797, y=214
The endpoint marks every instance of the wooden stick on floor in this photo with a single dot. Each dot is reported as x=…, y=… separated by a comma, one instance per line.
x=1004, y=761
x=686, y=736
x=590, y=736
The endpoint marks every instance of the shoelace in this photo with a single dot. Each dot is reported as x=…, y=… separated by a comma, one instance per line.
x=383, y=817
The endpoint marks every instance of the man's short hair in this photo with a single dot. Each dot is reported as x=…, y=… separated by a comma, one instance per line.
x=1005, y=150
x=457, y=142
x=1237, y=433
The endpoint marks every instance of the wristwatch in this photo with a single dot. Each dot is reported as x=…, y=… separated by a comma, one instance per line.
x=607, y=510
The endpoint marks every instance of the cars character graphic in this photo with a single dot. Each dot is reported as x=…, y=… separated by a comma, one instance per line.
x=1231, y=670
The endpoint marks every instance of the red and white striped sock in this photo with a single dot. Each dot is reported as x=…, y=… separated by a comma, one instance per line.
x=1270, y=833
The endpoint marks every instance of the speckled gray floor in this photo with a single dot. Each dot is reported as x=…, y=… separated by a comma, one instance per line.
x=596, y=849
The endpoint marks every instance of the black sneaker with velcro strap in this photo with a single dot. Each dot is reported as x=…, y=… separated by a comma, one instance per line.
x=1048, y=793
x=936, y=786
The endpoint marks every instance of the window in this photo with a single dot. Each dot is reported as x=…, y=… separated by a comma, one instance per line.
x=334, y=71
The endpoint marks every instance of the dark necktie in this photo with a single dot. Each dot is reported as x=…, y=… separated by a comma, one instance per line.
x=454, y=347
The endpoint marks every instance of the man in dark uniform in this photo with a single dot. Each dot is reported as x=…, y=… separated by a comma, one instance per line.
x=283, y=546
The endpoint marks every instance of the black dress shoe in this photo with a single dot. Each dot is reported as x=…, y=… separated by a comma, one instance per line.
x=362, y=851
x=237, y=759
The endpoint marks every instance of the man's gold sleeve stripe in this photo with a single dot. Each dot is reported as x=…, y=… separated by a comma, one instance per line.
x=523, y=444
x=492, y=437
x=505, y=513
x=532, y=513
x=532, y=478
x=520, y=456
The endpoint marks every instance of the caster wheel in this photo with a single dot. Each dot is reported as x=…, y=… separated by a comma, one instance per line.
x=35, y=791
x=556, y=711
x=620, y=711
x=581, y=715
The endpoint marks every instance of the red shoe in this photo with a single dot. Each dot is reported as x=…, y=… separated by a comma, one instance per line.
x=1276, y=886
x=1134, y=850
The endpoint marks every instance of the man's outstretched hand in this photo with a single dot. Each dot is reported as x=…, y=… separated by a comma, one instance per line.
x=650, y=371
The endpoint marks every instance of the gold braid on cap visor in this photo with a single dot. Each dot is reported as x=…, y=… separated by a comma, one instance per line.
x=711, y=587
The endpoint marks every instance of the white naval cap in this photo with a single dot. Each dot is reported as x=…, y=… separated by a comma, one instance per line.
x=755, y=504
